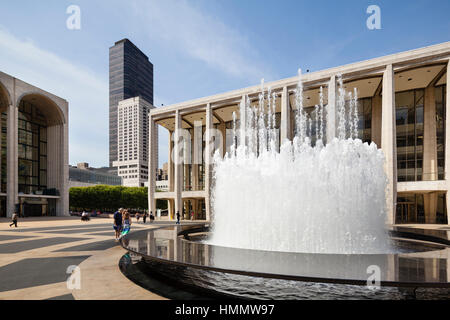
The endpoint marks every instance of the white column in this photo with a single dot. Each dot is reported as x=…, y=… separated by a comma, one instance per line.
x=285, y=116
x=194, y=159
x=152, y=158
x=12, y=166
x=209, y=148
x=170, y=168
x=331, y=110
x=430, y=204
x=430, y=167
x=243, y=121
x=170, y=177
x=178, y=165
x=447, y=141
x=65, y=169
x=376, y=119
x=57, y=166
x=388, y=140
x=197, y=149
x=223, y=143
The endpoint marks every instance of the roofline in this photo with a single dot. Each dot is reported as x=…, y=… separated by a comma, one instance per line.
x=34, y=86
x=372, y=66
x=124, y=40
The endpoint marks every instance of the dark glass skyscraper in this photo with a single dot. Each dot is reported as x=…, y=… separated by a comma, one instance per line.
x=130, y=75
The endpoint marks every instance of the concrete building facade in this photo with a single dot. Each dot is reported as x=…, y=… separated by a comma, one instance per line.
x=132, y=142
x=34, y=150
x=403, y=106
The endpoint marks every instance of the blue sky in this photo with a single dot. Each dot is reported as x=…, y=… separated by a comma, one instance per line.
x=198, y=47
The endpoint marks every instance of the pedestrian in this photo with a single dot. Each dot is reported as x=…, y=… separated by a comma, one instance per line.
x=192, y=215
x=178, y=217
x=85, y=216
x=137, y=215
x=14, y=219
x=144, y=217
x=118, y=222
x=126, y=222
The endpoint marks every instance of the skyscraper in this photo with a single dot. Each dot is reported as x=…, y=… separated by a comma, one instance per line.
x=130, y=75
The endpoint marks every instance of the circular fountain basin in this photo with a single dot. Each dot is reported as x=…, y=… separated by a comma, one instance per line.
x=180, y=254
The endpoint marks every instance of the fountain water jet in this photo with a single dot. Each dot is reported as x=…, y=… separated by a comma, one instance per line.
x=302, y=198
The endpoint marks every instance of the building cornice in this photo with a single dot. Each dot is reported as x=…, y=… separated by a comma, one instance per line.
x=417, y=57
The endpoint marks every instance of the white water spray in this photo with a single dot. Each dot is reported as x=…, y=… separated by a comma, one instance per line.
x=319, y=199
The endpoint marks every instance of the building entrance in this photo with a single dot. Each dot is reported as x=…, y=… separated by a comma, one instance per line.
x=410, y=209
x=32, y=210
x=33, y=207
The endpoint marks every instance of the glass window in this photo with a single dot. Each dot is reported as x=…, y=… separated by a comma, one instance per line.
x=409, y=124
x=3, y=139
x=365, y=119
x=32, y=136
x=441, y=209
x=440, y=94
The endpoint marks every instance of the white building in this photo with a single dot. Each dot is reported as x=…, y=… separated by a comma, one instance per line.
x=34, y=154
x=404, y=108
x=132, y=151
x=161, y=185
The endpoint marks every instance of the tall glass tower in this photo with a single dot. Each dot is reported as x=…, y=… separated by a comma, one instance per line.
x=130, y=75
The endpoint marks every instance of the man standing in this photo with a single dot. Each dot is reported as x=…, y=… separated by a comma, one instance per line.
x=118, y=223
x=145, y=217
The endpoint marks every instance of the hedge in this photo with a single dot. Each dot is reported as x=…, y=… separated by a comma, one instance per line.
x=110, y=198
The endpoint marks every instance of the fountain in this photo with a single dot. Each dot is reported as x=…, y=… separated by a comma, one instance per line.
x=309, y=198
x=300, y=219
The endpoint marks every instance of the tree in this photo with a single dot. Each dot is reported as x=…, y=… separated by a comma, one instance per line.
x=107, y=198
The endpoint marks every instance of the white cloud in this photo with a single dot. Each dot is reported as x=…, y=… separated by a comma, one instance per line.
x=86, y=92
x=201, y=36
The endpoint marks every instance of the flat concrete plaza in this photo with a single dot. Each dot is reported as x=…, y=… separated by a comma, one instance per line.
x=35, y=256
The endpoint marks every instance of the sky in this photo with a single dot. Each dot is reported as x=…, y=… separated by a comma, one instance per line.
x=198, y=48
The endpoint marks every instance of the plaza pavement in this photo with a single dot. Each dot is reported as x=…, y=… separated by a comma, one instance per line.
x=35, y=256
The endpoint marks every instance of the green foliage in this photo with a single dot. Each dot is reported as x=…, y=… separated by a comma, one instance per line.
x=110, y=198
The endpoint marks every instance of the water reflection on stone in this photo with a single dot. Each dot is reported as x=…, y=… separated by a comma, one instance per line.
x=239, y=271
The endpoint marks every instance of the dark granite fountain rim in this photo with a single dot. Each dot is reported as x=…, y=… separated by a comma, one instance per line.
x=429, y=240
x=304, y=278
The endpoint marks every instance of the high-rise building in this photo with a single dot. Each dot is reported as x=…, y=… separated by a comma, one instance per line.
x=133, y=130
x=130, y=75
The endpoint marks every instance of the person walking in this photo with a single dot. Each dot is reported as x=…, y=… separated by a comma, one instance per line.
x=85, y=216
x=118, y=222
x=178, y=217
x=144, y=218
x=126, y=222
x=14, y=220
